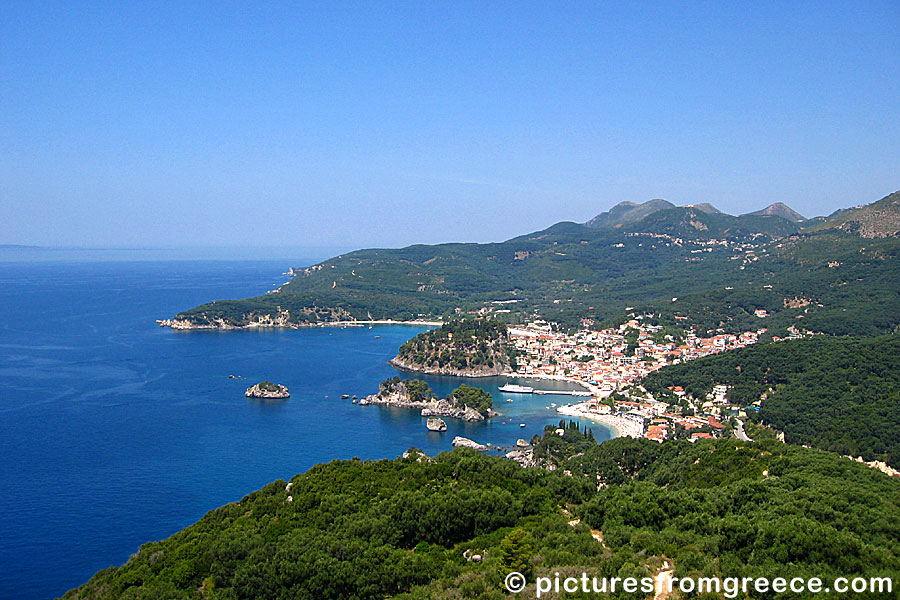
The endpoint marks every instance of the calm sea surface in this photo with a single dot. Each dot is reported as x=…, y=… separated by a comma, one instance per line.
x=114, y=431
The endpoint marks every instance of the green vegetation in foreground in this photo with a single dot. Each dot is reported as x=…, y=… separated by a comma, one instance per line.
x=462, y=344
x=839, y=394
x=399, y=528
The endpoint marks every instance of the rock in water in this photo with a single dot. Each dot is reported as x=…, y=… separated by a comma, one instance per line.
x=522, y=443
x=267, y=389
x=435, y=424
x=460, y=441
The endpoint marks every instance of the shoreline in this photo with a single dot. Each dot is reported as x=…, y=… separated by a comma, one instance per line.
x=183, y=325
x=439, y=371
x=620, y=426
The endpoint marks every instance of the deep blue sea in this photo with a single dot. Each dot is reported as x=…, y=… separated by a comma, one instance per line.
x=114, y=431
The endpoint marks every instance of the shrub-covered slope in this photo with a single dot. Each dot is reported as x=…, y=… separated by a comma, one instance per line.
x=400, y=528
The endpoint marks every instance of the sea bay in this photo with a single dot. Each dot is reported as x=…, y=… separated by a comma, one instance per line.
x=114, y=431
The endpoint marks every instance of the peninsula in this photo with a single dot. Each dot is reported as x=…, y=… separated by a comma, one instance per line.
x=689, y=265
x=463, y=347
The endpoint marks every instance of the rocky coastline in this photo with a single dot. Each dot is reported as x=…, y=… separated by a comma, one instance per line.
x=428, y=408
x=482, y=371
x=281, y=321
x=267, y=390
x=461, y=442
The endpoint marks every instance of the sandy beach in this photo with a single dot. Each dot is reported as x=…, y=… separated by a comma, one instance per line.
x=621, y=426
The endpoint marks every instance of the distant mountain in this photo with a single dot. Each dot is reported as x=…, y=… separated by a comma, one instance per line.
x=624, y=213
x=627, y=213
x=698, y=221
x=779, y=209
x=707, y=208
x=721, y=269
x=876, y=220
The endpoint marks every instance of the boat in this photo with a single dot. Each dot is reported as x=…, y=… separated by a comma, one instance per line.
x=509, y=399
x=521, y=424
x=344, y=396
x=512, y=388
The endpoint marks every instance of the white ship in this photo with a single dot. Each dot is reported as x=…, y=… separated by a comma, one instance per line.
x=512, y=388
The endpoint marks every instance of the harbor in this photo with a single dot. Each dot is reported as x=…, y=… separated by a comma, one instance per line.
x=511, y=388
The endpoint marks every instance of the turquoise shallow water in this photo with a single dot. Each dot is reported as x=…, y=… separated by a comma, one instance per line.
x=114, y=431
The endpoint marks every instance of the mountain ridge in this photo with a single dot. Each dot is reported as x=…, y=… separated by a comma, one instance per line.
x=628, y=212
x=572, y=272
x=875, y=220
x=779, y=209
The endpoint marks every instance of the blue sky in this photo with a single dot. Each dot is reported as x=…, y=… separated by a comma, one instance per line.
x=351, y=124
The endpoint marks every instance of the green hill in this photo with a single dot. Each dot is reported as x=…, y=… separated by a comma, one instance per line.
x=838, y=394
x=406, y=528
x=716, y=265
x=461, y=346
x=625, y=213
x=693, y=222
x=875, y=220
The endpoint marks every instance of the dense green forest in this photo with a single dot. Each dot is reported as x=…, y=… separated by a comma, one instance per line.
x=472, y=397
x=839, y=394
x=404, y=528
x=720, y=269
x=461, y=344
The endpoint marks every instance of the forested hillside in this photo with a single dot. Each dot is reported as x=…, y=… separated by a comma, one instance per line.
x=839, y=394
x=714, y=269
x=472, y=346
x=404, y=528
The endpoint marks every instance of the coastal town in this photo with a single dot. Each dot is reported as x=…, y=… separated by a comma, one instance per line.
x=611, y=363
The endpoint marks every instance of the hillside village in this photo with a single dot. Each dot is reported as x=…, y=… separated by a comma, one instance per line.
x=611, y=364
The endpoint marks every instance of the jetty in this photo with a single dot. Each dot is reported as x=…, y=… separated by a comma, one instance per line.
x=511, y=388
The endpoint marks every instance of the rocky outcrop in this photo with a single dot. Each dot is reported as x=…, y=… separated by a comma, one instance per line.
x=428, y=408
x=395, y=393
x=416, y=454
x=877, y=465
x=436, y=424
x=444, y=408
x=281, y=319
x=461, y=442
x=267, y=389
x=525, y=457
x=480, y=371
x=186, y=324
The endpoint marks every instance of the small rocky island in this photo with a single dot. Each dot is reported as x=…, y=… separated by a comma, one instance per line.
x=267, y=389
x=464, y=347
x=465, y=402
x=436, y=424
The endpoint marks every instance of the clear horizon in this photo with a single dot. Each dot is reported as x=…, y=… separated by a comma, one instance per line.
x=382, y=126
